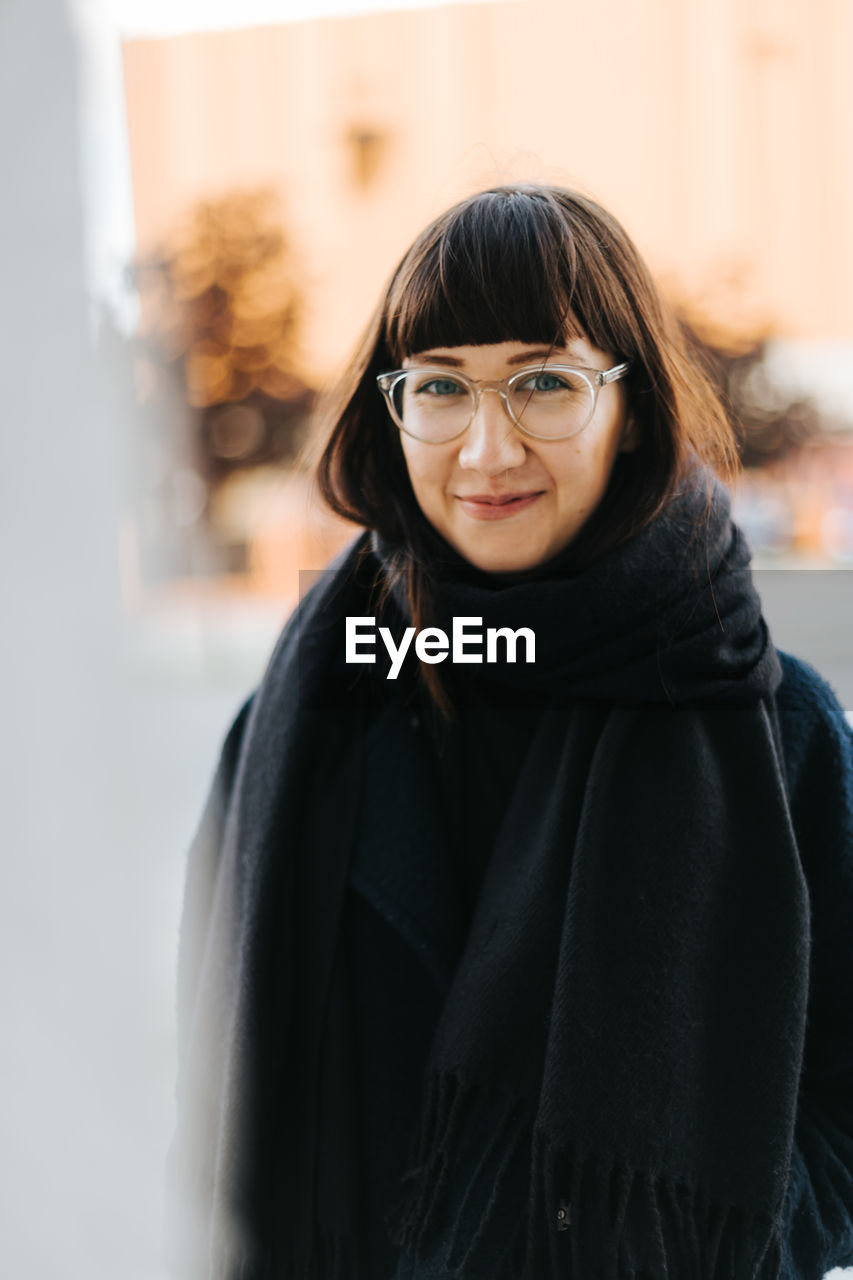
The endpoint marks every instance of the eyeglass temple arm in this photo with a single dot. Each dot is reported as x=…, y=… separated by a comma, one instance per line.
x=613, y=375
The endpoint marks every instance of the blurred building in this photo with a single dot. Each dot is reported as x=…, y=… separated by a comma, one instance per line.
x=717, y=130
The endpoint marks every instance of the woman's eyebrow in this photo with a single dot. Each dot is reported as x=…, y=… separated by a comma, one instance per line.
x=526, y=357
x=530, y=357
x=437, y=359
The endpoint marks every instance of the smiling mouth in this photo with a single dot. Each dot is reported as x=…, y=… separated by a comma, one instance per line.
x=485, y=506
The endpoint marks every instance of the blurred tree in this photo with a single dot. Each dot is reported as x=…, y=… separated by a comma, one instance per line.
x=217, y=359
x=221, y=311
x=771, y=421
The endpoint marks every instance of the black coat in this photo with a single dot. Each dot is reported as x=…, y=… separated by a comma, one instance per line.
x=406, y=890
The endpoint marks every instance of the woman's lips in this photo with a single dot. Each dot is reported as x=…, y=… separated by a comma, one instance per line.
x=483, y=506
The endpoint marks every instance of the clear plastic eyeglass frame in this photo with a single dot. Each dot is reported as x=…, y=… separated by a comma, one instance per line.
x=595, y=379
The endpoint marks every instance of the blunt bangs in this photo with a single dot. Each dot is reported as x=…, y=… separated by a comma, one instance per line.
x=501, y=267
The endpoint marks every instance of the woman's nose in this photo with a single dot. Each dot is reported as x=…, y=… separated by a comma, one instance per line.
x=491, y=443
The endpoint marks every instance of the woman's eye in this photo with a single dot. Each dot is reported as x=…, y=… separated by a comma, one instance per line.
x=544, y=382
x=439, y=387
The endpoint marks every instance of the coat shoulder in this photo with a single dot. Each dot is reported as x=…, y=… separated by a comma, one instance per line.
x=817, y=744
x=816, y=730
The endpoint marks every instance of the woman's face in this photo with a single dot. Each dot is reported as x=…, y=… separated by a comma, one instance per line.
x=503, y=500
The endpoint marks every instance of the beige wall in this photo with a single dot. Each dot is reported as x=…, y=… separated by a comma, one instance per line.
x=720, y=131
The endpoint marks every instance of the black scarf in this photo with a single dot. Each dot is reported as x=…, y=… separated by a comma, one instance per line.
x=612, y=1086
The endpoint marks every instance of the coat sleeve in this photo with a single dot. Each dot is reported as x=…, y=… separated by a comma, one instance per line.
x=187, y=1183
x=202, y=865
x=818, y=1218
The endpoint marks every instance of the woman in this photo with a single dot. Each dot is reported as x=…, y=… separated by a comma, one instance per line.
x=516, y=939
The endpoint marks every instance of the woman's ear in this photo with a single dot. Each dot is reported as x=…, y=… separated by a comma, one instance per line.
x=630, y=438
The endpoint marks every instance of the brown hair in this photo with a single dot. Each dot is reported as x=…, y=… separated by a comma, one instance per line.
x=526, y=263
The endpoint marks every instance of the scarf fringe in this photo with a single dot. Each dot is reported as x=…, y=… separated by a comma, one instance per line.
x=579, y=1214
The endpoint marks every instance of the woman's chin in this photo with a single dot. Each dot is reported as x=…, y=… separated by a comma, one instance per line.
x=502, y=555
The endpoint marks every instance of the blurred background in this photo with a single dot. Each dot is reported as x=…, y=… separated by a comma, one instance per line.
x=201, y=205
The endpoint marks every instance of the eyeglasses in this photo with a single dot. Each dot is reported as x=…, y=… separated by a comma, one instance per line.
x=547, y=402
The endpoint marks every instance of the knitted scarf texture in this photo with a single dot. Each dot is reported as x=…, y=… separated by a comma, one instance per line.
x=612, y=1085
